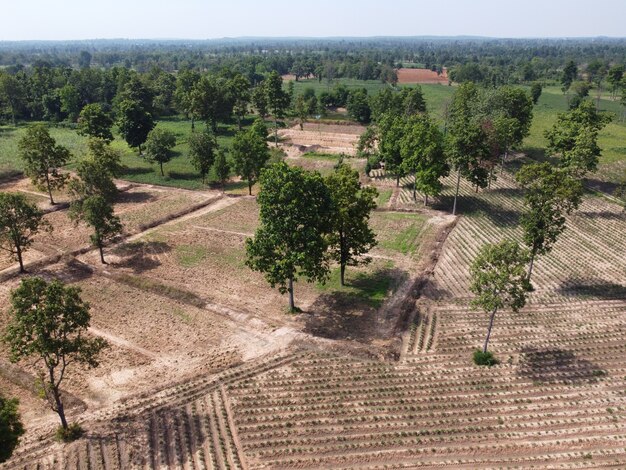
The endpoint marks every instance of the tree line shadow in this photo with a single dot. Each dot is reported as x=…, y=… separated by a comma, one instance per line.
x=141, y=256
x=557, y=365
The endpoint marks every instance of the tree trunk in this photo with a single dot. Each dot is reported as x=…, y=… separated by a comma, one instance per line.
x=292, y=305
x=414, y=187
x=49, y=190
x=530, y=265
x=456, y=193
x=18, y=248
x=140, y=150
x=239, y=121
x=343, y=257
x=397, y=181
x=193, y=124
x=249, y=187
x=343, y=273
x=57, y=398
x=276, y=132
x=425, y=199
x=101, y=253
x=493, y=315
x=161, y=165
x=504, y=157
x=490, y=178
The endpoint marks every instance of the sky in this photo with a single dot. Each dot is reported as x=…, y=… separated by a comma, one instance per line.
x=205, y=19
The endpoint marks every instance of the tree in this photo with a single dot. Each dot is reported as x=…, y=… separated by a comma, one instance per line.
x=574, y=138
x=11, y=427
x=210, y=100
x=222, y=167
x=49, y=322
x=498, y=279
x=350, y=237
x=291, y=240
x=97, y=212
x=259, y=100
x=277, y=99
x=20, y=221
x=94, y=122
x=185, y=83
x=390, y=133
x=13, y=93
x=95, y=174
x=202, y=149
x=301, y=110
x=43, y=158
x=535, y=92
x=71, y=103
x=614, y=77
x=570, y=72
x=551, y=193
x=250, y=154
x=239, y=87
x=359, y=107
x=159, y=146
x=422, y=152
x=467, y=142
x=135, y=123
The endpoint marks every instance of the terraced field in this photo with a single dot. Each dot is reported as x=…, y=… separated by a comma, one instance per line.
x=281, y=395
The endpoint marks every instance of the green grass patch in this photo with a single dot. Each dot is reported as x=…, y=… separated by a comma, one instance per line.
x=189, y=256
x=371, y=287
x=383, y=197
x=321, y=156
x=399, y=232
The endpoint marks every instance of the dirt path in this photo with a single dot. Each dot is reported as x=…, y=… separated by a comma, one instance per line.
x=122, y=342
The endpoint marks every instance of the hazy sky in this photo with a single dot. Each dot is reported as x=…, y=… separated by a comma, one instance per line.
x=202, y=19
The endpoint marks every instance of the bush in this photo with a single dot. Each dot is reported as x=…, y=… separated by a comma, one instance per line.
x=484, y=358
x=73, y=432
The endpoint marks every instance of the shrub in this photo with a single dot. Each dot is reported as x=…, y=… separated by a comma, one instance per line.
x=484, y=358
x=73, y=432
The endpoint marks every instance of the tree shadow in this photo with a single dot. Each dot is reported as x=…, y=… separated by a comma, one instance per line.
x=184, y=176
x=133, y=197
x=136, y=170
x=596, y=184
x=353, y=314
x=557, y=365
x=597, y=289
x=141, y=256
x=475, y=205
x=606, y=215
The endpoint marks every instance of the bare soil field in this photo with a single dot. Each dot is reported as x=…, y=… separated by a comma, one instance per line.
x=138, y=207
x=324, y=138
x=412, y=76
x=206, y=371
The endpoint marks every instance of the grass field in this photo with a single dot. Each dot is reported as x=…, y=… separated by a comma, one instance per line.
x=180, y=173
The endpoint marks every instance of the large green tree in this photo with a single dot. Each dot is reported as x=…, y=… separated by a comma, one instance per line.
x=20, y=221
x=550, y=194
x=94, y=122
x=11, y=427
x=423, y=156
x=135, y=123
x=250, y=154
x=97, y=212
x=159, y=145
x=49, y=322
x=202, y=150
x=498, y=280
x=574, y=138
x=277, y=99
x=291, y=240
x=239, y=88
x=467, y=141
x=350, y=237
x=43, y=158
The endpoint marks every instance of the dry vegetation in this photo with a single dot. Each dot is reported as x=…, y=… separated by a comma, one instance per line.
x=206, y=371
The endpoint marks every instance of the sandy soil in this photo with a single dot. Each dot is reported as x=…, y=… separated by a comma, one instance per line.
x=411, y=76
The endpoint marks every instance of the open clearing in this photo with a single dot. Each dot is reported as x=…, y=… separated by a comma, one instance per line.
x=407, y=76
x=207, y=371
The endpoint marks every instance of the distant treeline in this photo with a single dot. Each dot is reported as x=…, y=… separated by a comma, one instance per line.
x=491, y=61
